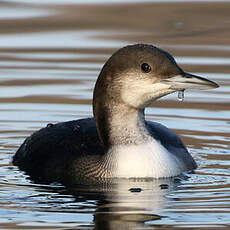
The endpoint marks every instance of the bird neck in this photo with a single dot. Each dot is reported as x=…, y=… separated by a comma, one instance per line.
x=119, y=124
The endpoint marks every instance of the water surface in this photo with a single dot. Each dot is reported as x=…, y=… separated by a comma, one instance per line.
x=50, y=56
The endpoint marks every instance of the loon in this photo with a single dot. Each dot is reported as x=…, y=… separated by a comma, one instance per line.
x=118, y=142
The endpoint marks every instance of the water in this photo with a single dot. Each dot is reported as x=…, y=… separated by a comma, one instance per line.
x=50, y=56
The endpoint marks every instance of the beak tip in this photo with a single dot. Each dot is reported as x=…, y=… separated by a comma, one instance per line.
x=213, y=85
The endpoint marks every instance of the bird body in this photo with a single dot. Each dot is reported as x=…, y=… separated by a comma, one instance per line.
x=118, y=142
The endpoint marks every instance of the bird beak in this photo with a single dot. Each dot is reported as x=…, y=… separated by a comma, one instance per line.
x=189, y=81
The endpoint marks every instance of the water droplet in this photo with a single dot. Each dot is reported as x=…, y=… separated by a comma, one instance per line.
x=181, y=95
x=50, y=125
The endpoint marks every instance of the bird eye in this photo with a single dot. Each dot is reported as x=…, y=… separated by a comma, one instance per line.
x=146, y=67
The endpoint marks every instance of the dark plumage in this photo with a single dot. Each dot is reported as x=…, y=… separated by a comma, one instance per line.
x=49, y=152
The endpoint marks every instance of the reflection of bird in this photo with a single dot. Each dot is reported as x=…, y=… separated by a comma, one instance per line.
x=118, y=142
x=130, y=203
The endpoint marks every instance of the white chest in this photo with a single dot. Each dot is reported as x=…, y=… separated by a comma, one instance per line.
x=145, y=160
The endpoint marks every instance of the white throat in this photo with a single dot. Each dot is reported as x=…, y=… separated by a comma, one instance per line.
x=134, y=152
x=149, y=159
